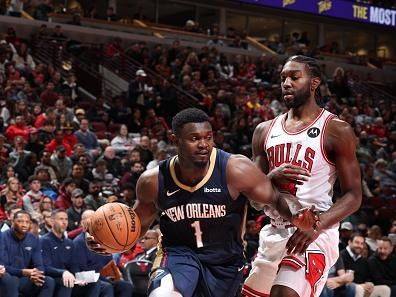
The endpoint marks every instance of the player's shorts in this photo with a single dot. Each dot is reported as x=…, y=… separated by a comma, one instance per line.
x=195, y=279
x=306, y=274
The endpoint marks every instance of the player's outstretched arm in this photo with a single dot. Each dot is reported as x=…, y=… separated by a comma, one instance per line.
x=244, y=177
x=146, y=198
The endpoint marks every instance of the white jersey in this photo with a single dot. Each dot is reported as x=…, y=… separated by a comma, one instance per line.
x=304, y=148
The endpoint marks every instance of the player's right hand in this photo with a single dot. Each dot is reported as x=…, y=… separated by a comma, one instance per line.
x=37, y=277
x=94, y=245
x=287, y=173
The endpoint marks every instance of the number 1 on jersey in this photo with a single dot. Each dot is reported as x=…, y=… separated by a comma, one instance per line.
x=198, y=233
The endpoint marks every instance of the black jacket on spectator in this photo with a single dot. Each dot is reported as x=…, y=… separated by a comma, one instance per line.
x=383, y=271
x=360, y=266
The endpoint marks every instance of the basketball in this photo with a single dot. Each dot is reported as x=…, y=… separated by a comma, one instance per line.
x=115, y=226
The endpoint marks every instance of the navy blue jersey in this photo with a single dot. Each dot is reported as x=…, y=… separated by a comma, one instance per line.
x=204, y=217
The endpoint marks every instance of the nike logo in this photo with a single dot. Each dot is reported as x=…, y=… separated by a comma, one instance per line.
x=240, y=269
x=273, y=136
x=171, y=193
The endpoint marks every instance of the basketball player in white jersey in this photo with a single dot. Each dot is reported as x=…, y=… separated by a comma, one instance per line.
x=303, y=152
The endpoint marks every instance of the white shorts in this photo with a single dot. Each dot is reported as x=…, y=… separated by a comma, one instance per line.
x=306, y=274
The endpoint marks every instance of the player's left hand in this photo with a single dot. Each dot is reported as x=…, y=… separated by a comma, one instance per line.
x=300, y=240
x=306, y=219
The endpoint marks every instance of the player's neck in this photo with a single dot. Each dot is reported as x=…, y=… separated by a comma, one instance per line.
x=190, y=175
x=305, y=113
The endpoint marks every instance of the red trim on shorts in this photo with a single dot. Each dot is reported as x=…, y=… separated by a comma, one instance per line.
x=292, y=262
x=322, y=147
x=249, y=292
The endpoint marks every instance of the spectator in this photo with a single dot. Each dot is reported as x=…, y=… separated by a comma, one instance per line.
x=57, y=142
x=382, y=265
x=374, y=234
x=6, y=220
x=24, y=271
x=89, y=260
x=338, y=282
x=354, y=260
x=122, y=143
x=60, y=260
x=78, y=176
x=346, y=230
x=19, y=128
x=113, y=163
x=61, y=163
x=32, y=198
x=75, y=211
x=94, y=199
x=87, y=138
x=63, y=201
x=46, y=224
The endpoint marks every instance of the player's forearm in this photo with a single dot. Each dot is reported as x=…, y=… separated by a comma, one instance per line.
x=286, y=204
x=342, y=208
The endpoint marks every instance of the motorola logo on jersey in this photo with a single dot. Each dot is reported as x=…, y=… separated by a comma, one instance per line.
x=313, y=132
x=212, y=190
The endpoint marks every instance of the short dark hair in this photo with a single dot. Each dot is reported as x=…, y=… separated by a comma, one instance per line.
x=353, y=235
x=387, y=239
x=56, y=211
x=32, y=178
x=22, y=212
x=189, y=115
x=310, y=63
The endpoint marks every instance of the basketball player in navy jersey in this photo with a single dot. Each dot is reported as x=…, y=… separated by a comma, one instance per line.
x=303, y=151
x=198, y=193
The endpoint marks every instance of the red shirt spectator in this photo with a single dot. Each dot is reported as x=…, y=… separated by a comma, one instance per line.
x=57, y=141
x=18, y=129
x=49, y=96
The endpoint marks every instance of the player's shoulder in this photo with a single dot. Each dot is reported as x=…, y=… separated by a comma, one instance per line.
x=263, y=126
x=238, y=162
x=149, y=175
x=340, y=128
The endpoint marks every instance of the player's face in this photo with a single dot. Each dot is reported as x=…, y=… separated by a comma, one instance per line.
x=21, y=224
x=196, y=143
x=59, y=222
x=295, y=83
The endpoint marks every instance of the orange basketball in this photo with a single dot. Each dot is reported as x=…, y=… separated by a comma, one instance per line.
x=115, y=226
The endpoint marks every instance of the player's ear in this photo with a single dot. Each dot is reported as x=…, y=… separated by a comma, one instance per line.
x=173, y=138
x=315, y=83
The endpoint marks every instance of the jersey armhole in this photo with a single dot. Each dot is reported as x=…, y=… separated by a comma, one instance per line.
x=273, y=121
x=322, y=141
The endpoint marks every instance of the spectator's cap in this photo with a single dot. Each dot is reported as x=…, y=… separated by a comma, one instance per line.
x=141, y=72
x=346, y=226
x=67, y=181
x=67, y=126
x=77, y=193
x=80, y=111
x=60, y=148
x=190, y=23
x=41, y=168
x=32, y=178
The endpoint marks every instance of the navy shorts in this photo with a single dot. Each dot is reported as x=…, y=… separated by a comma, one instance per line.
x=192, y=278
